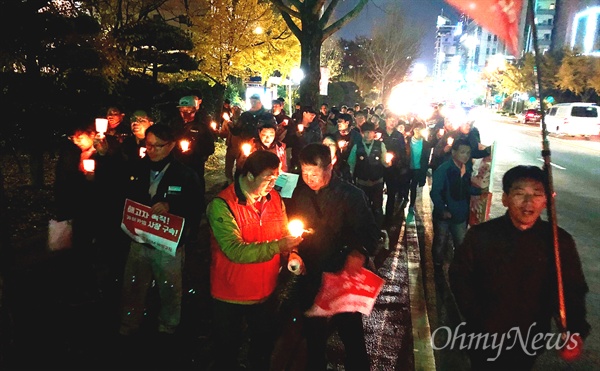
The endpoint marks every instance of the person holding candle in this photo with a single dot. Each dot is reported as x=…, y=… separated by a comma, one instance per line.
x=394, y=175
x=368, y=162
x=124, y=150
x=194, y=127
x=343, y=135
x=340, y=166
x=281, y=118
x=418, y=150
x=166, y=185
x=344, y=236
x=72, y=186
x=266, y=141
x=249, y=234
x=304, y=130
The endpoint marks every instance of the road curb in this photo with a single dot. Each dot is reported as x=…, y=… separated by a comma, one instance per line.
x=422, y=350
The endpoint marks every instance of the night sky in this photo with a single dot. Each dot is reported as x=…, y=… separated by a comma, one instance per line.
x=419, y=12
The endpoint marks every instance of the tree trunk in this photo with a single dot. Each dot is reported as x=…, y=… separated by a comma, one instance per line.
x=310, y=61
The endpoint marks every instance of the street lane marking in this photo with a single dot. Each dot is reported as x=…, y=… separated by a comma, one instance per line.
x=553, y=164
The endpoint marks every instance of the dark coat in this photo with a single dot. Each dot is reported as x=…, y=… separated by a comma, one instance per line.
x=341, y=221
x=503, y=277
x=179, y=187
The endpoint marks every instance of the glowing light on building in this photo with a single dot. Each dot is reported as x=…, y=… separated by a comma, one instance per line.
x=586, y=31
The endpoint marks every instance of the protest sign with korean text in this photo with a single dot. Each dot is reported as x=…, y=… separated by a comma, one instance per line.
x=162, y=232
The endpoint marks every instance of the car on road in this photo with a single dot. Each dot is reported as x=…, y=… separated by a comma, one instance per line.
x=529, y=116
x=574, y=119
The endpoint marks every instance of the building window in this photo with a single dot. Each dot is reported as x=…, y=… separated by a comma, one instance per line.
x=495, y=37
x=546, y=36
x=487, y=51
x=494, y=51
x=489, y=37
x=550, y=22
x=552, y=6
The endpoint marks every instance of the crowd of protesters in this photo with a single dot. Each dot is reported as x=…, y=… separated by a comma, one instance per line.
x=347, y=159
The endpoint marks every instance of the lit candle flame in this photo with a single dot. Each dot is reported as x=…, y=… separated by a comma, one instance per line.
x=101, y=126
x=185, y=145
x=425, y=133
x=450, y=141
x=246, y=148
x=285, y=122
x=213, y=125
x=296, y=228
x=89, y=165
x=342, y=143
x=142, y=152
x=300, y=128
x=389, y=157
x=442, y=131
x=377, y=135
x=225, y=116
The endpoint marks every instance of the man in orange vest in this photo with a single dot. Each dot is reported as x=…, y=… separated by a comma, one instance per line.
x=248, y=236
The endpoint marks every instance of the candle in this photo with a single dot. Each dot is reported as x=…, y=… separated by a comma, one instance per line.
x=300, y=128
x=389, y=157
x=225, y=116
x=101, y=125
x=342, y=144
x=285, y=122
x=185, y=145
x=246, y=149
x=142, y=152
x=450, y=141
x=425, y=133
x=296, y=228
x=377, y=135
x=89, y=165
x=213, y=125
x=442, y=131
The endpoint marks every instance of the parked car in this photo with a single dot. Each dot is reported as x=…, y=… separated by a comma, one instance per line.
x=529, y=116
x=573, y=119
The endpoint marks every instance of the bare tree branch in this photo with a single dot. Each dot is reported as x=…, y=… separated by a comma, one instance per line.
x=345, y=19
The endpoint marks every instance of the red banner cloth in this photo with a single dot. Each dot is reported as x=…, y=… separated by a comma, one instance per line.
x=500, y=17
x=342, y=292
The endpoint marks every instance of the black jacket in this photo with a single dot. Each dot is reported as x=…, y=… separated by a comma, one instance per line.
x=341, y=221
x=503, y=277
x=179, y=187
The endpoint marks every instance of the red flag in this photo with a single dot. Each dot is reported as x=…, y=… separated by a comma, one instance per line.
x=500, y=17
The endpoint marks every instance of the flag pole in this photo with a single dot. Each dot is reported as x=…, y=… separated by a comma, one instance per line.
x=548, y=169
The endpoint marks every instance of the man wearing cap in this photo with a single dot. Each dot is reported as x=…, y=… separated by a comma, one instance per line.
x=195, y=140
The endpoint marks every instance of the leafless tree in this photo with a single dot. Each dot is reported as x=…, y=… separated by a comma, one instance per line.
x=392, y=49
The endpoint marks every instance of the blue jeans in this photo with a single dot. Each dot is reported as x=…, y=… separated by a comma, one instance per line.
x=441, y=229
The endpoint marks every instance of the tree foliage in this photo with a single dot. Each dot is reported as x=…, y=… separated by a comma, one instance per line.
x=391, y=51
x=579, y=74
x=311, y=23
x=240, y=38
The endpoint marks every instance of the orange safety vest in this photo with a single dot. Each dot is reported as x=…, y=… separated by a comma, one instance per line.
x=238, y=282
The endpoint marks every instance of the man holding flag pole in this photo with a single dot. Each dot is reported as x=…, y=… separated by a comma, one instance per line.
x=493, y=298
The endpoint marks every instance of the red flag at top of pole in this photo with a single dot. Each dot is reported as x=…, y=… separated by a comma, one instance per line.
x=500, y=17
